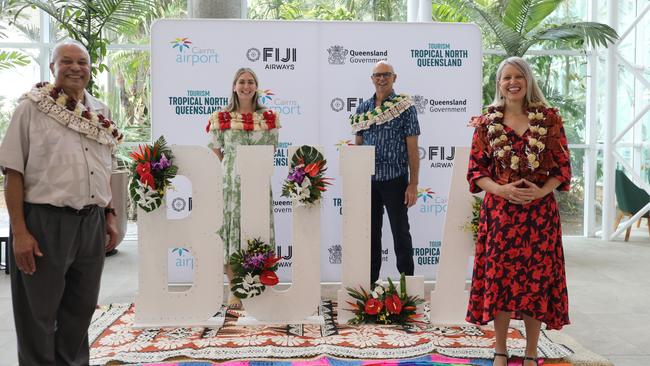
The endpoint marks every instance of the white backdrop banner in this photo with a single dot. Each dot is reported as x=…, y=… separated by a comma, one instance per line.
x=315, y=74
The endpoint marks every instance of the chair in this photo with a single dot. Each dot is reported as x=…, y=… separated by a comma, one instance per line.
x=630, y=199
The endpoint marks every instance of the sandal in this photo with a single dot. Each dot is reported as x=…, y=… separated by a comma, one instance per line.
x=498, y=354
x=527, y=358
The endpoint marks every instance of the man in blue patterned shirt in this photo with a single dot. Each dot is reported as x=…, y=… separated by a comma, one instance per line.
x=389, y=122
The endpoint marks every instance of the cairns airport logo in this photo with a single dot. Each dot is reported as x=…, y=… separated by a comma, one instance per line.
x=338, y=55
x=275, y=58
x=438, y=156
x=192, y=55
x=280, y=105
x=430, y=202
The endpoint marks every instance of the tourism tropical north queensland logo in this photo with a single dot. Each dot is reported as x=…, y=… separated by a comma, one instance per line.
x=191, y=54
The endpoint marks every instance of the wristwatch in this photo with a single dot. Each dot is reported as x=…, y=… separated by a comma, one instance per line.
x=109, y=210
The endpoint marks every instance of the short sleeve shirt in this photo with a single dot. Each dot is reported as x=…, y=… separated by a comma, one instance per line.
x=389, y=140
x=60, y=167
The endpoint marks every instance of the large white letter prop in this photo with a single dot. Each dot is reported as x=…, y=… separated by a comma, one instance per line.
x=297, y=303
x=155, y=306
x=449, y=299
x=357, y=165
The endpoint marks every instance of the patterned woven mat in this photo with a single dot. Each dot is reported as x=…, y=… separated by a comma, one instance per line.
x=112, y=338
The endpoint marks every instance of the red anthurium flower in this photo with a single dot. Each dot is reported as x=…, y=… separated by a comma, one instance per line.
x=269, y=278
x=373, y=306
x=143, y=168
x=207, y=127
x=271, y=261
x=312, y=169
x=147, y=179
x=393, y=304
x=85, y=114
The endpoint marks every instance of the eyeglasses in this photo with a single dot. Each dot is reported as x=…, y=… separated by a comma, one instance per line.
x=379, y=75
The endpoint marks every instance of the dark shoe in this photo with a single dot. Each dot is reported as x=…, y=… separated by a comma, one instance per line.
x=111, y=252
x=534, y=359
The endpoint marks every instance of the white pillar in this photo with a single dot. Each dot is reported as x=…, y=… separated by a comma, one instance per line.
x=591, y=136
x=412, y=7
x=424, y=12
x=610, y=127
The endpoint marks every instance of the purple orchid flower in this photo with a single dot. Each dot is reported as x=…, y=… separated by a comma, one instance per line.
x=161, y=164
x=296, y=175
x=254, y=261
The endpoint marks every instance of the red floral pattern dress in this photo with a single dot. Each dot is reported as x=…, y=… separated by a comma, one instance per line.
x=519, y=260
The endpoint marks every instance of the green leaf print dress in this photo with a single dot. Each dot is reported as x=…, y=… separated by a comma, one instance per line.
x=228, y=139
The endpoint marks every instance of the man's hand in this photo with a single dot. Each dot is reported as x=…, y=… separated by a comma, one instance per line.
x=25, y=248
x=111, y=231
x=411, y=195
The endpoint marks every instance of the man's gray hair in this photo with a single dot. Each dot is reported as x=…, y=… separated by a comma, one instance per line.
x=68, y=42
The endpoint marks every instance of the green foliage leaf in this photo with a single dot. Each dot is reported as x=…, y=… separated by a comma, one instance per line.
x=12, y=59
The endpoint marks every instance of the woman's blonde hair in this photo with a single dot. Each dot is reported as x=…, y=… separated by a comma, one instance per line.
x=233, y=104
x=533, y=93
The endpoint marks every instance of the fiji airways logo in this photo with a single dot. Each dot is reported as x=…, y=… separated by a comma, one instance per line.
x=190, y=54
x=264, y=96
x=181, y=43
x=425, y=193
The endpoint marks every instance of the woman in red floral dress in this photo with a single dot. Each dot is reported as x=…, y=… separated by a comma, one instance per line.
x=519, y=156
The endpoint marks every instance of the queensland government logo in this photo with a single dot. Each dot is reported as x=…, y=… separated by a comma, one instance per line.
x=336, y=254
x=189, y=53
x=431, y=203
x=349, y=104
x=451, y=105
x=338, y=55
x=275, y=58
x=438, y=156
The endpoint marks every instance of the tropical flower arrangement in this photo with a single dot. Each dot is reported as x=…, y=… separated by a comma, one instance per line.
x=472, y=225
x=151, y=172
x=384, y=305
x=306, y=182
x=253, y=268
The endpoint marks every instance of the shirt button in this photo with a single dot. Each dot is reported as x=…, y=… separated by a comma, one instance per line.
x=91, y=173
x=92, y=196
x=86, y=149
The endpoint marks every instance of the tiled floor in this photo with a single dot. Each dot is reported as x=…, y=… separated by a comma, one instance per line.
x=609, y=291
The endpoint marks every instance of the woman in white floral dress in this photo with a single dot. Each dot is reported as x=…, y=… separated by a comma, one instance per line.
x=243, y=122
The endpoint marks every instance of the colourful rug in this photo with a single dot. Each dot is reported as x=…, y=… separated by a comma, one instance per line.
x=113, y=339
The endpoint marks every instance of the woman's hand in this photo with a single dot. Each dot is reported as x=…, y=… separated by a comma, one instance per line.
x=534, y=191
x=513, y=194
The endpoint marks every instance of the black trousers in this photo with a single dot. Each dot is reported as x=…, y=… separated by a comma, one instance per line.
x=53, y=307
x=390, y=194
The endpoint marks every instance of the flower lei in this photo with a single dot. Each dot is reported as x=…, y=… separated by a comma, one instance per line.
x=151, y=172
x=306, y=183
x=220, y=121
x=384, y=305
x=253, y=268
x=53, y=101
x=501, y=147
x=387, y=111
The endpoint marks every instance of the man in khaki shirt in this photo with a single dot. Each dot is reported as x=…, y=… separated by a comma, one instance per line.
x=57, y=158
